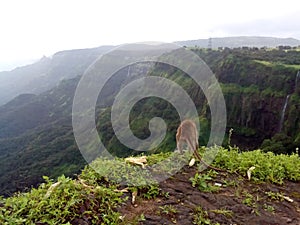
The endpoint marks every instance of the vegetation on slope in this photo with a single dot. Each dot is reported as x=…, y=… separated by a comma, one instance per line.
x=93, y=198
x=36, y=132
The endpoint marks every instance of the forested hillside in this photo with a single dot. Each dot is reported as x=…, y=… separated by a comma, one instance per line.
x=262, y=94
x=47, y=72
x=261, y=89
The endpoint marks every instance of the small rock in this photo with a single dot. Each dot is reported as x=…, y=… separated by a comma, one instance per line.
x=211, y=215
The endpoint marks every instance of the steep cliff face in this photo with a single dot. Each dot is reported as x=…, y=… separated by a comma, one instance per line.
x=261, y=90
x=292, y=117
x=255, y=92
x=259, y=116
x=252, y=111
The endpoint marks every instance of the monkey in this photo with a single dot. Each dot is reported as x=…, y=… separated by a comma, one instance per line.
x=187, y=133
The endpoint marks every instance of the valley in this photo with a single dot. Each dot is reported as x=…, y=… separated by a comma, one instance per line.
x=260, y=86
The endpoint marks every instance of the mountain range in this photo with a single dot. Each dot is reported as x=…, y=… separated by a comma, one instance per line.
x=48, y=72
x=243, y=41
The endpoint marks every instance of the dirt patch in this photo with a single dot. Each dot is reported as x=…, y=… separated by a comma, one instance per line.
x=238, y=201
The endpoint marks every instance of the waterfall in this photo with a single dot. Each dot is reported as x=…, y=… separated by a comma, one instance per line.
x=297, y=77
x=283, y=113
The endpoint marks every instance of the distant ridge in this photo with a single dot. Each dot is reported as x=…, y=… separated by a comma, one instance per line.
x=48, y=72
x=240, y=41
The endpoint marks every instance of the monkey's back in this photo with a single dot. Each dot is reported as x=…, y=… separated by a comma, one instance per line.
x=188, y=129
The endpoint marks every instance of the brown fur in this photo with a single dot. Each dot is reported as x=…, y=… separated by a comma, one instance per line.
x=187, y=133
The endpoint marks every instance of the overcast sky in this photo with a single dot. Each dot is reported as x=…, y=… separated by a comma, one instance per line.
x=33, y=28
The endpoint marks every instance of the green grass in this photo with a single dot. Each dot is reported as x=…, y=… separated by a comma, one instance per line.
x=268, y=166
x=61, y=203
x=93, y=195
x=272, y=64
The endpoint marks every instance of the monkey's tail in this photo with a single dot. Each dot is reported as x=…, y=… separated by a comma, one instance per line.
x=197, y=155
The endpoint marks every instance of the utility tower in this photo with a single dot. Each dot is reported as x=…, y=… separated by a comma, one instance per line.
x=209, y=46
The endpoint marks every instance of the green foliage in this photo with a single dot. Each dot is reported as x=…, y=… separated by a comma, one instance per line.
x=225, y=212
x=269, y=208
x=150, y=191
x=61, y=203
x=280, y=144
x=275, y=196
x=201, y=181
x=43, y=145
x=36, y=132
x=278, y=64
x=93, y=196
x=249, y=200
x=168, y=210
x=254, y=83
x=201, y=217
x=268, y=166
x=119, y=173
x=269, y=92
x=157, y=157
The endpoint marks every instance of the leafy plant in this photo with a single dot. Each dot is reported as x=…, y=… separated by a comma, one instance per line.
x=275, y=195
x=150, y=191
x=201, y=181
x=225, y=212
x=60, y=203
x=249, y=200
x=200, y=217
x=168, y=209
x=269, y=208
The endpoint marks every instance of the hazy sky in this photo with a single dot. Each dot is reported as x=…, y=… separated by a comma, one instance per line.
x=33, y=28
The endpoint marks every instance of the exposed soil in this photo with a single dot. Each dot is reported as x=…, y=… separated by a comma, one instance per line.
x=232, y=197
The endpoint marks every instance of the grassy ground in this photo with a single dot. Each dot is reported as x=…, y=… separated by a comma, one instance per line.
x=268, y=193
x=272, y=64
